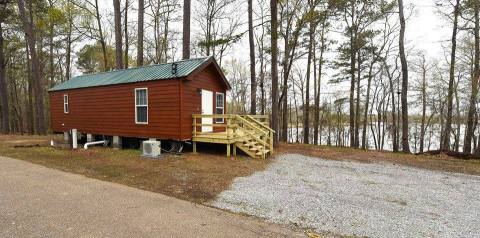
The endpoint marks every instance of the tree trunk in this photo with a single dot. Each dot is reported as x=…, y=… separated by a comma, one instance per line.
x=274, y=38
x=4, y=126
x=141, y=10
x=424, y=106
x=394, y=121
x=403, y=59
x=125, y=30
x=469, y=132
x=448, y=123
x=253, y=81
x=38, y=84
x=118, y=35
x=352, y=82
x=357, y=103
x=319, y=83
x=365, y=113
x=106, y=67
x=186, y=30
x=457, y=117
x=68, y=53
x=306, y=108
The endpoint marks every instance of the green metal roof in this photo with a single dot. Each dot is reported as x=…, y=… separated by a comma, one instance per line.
x=132, y=75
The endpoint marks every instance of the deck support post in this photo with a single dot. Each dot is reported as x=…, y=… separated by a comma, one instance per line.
x=228, y=150
x=117, y=142
x=66, y=137
x=89, y=137
x=194, y=147
x=234, y=151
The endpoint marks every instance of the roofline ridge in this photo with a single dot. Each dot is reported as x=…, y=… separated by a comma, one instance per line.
x=144, y=66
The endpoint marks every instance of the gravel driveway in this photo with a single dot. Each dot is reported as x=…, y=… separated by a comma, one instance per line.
x=352, y=198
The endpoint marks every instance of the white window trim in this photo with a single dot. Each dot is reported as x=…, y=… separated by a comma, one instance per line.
x=135, y=98
x=217, y=120
x=66, y=105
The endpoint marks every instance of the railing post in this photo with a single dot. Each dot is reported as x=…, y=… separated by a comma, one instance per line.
x=228, y=127
x=271, y=142
x=194, y=126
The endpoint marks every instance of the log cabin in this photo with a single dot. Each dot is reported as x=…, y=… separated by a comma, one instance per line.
x=178, y=101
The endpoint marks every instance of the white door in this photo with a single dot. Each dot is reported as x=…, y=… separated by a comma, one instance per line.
x=207, y=108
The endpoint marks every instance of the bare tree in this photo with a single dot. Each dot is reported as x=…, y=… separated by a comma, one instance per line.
x=403, y=60
x=186, y=30
x=118, y=35
x=448, y=123
x=125, y=30
x=141, y=14
x=274, y=38
x=311, y=41
x=4, y=126
x=253, y=81
x=35, y=64
x=469, y=132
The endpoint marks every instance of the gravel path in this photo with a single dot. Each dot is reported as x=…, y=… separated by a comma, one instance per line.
x=352, y=198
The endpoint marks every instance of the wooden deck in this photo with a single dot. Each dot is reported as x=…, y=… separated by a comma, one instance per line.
x=250, y=133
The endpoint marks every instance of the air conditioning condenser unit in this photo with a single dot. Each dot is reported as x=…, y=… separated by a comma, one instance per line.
x=151, y=148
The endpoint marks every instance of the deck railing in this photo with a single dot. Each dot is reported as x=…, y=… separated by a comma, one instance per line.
x=253, y=127
x=227, y=125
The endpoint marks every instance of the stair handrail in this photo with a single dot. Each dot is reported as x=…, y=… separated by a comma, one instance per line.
x=245, y=121
x=259, y=140
x=256, y=138
x=259, y=123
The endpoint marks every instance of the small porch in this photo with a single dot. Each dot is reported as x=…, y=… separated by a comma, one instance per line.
x=249, y=133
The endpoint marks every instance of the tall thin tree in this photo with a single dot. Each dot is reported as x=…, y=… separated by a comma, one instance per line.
x=141, y=11
x=403, y=60
x=35, y=67
x=186, y=30
x=469, y=132
x=125, y=30
x=118, y=34
x=4, y=126
x=311, y=41
x=274, y=45
x=448, y=122
x=253, y=81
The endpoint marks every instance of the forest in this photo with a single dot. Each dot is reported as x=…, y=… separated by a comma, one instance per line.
x=328, y=72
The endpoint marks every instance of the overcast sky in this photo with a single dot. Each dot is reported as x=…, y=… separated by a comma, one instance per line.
x=426, y=29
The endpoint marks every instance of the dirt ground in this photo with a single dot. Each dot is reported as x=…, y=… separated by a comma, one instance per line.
x=197, y=178
x=440, y=162
x=194, y=177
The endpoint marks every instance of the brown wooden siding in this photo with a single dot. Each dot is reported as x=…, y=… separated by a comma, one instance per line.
x=208, y=79
x=110, y=110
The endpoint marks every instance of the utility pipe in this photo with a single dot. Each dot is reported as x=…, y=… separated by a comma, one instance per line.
x=94, y=143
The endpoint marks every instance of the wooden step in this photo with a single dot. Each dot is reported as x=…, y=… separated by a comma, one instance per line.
x=253, y=149
x=252, y=143
x=262, y=152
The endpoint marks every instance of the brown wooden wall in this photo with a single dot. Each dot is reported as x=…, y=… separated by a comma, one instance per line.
x=208, y=79
x=110, y=110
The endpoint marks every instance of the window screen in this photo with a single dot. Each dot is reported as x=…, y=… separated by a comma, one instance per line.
x=65, y=103
x=141, y=106
x=219, y=106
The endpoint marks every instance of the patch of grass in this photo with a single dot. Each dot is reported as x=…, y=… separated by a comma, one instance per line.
x=441, y=162
x=193, y=177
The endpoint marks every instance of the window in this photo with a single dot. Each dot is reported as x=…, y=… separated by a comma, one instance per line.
x=141, y=106
x=65, y=103
x=219, y=106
